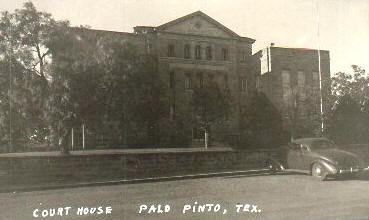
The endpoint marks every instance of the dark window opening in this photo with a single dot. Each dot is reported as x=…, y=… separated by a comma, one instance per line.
x=225, y=81
x=200, y=79
x=187, y=51
x=243, y=56
x=188, y=82
x=170, y=50
x=243, y=85
x=171, y=80
x=209, y=55
x=198, y=52
x=224, y=54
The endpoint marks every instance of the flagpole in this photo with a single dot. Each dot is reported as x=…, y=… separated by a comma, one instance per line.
x=320, y=70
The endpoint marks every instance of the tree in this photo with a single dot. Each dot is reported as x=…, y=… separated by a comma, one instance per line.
x=32, y=35
x=210, y=105
x=261, y=123
x=105, y=84
x=354, y=84
x=347, y=121
x=349, y=106
x=26, y=40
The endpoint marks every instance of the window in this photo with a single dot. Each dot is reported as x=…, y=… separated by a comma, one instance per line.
x=225, y=81
x=198, y=52
x=301, y=84
x=171, y=80
x=315, y=77
x=188, y=82
x=170, y=50
x=210, y=79
x=300, y=79
x=172, y=112
x=200, y=81
x=286, y=86
x=149, y=48
x=243, y=85
x=209, y=55
x=315, y=82
x=224, y=54
x=243, y=56
x=187, y=50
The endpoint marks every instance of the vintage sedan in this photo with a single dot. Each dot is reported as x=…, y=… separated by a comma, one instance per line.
x=320, y=157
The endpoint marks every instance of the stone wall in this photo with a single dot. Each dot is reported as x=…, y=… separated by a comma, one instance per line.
x=100, y=165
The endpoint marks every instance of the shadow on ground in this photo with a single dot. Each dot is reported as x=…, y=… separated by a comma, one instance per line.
x=357, y=177
x=264, y=174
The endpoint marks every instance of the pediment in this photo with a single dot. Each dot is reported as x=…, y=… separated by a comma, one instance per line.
x=198, y=23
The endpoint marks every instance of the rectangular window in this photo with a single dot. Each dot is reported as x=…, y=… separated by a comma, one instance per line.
x=225, y=81
x=172, y=112
x=188, y=82
x=187, y=50
x=171, y=80
x=243, y=56
x=315, y=76
x=286, y=86
x=170, y=50
x=243, y=85
x=224, y=54
x=200, y=81
x=210, y=79
x=301, y=84
x=315, y=82
x=300, y=79
x=209, y=54
x=149, y=48
x=198, y=52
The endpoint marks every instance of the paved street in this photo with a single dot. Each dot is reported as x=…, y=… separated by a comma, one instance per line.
x=285, y=196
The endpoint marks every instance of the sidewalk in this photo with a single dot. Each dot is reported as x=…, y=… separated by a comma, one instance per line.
x=15, y=188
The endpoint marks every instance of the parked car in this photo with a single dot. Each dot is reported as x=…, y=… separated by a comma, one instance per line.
x=320, y=157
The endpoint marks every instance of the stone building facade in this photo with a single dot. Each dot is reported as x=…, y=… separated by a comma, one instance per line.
x=195, y=49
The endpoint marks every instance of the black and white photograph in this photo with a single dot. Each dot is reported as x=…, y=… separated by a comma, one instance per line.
x=196, y=109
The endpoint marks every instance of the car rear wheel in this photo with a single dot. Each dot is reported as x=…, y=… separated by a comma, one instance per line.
x=319, y=171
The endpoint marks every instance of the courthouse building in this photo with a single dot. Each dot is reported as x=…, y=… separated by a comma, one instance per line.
x=195, y=49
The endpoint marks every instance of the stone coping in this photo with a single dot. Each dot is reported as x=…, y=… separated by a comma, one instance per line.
x=114, y=152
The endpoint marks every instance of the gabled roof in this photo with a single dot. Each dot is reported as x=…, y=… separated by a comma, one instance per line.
x=207, y=18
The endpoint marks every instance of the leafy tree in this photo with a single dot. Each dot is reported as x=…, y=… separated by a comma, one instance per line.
x=346, y=122
x=261, y=123
x=354, y=84
x=210, y=105
x=27, y=37
x=102, y=82
x=349, y=107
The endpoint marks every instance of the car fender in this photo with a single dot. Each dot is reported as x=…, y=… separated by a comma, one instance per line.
x=327, y=165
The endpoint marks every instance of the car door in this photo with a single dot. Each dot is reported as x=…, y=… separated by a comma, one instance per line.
x=294, y=157
x=306, y=157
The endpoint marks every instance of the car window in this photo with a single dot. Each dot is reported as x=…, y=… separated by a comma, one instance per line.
x=294, y=146
x=304, y=147
x=322, y=144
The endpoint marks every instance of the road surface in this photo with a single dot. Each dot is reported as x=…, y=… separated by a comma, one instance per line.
x=283, y=196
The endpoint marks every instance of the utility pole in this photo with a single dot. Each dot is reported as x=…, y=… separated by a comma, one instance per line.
x=10, y=90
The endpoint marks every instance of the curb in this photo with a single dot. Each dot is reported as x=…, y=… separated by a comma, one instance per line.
x=131, y=181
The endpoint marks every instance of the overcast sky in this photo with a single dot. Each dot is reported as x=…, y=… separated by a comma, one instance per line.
x=344, y=24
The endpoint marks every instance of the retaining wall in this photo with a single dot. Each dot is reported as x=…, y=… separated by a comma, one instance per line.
x=101, y=165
